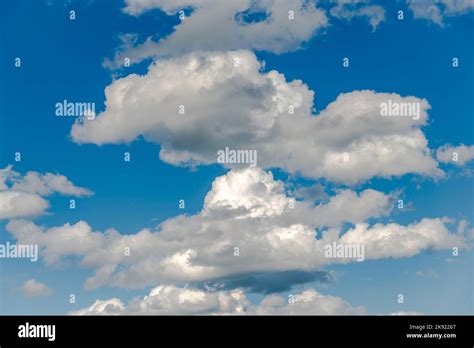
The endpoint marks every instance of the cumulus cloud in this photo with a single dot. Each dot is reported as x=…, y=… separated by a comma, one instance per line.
x=15, y=204
x=167, y=299
x=247, y=225
x=393, y=240
x=268, y=25
x=437, y=10
x=229, y=102
x=457, y=155
x=34, y=288
x=348, y=9
x=227, y=25
x=47, y=184
x=21, y=196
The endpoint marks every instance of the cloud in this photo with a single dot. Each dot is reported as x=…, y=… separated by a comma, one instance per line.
x=348, y=9
x=262, y=25
x=166, y=299
x=308, y=302
x=247, y=225
x=14, y=204
x=393, y=240
x=21, y=196
x=437, y=10
x=173, y=300
x=229, y=102
x=457, y=155
x=113, y=306
x=47, y=184
x=33, y=288
x=227, y=25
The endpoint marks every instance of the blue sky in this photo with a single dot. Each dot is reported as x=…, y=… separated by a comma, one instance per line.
x=63, y=59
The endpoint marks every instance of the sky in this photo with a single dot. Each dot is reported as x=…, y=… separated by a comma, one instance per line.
x=157, y=234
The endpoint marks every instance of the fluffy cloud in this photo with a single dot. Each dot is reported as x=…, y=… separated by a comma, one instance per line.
x=15, y=204
x=268, y=25
x=173, y=300
x=308, y=302
x=47, y=184
x=436, y=10
x=248, y=210
x=21, y=196
x=348, y=9
x=33, y=288
x=228, y=25
x=229, y=102
x=393, y=240
x=458, y=155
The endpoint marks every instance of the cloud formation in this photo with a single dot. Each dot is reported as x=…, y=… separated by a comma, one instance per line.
x=167, y=299
x=457, y=155
x=247, y=225
x=270, y=25
x=15, y=204
x=198, y=104
x=437, y=10
x=22, y=196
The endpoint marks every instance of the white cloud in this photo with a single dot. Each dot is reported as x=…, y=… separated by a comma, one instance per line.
x=47, y=184
x=33, y=288
x=253, y=191
x=41, y=184
x=348, y=9
x=246, y=209
x=21, y=196
x=308, y=302
x=221, y=25
x=15, y=204
x=393, y=240
x=242, y=108
x=113, y=306
x=268, y=25
x=168, y=299
x=437, y=10
x=457, y=7
x=457, y=155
